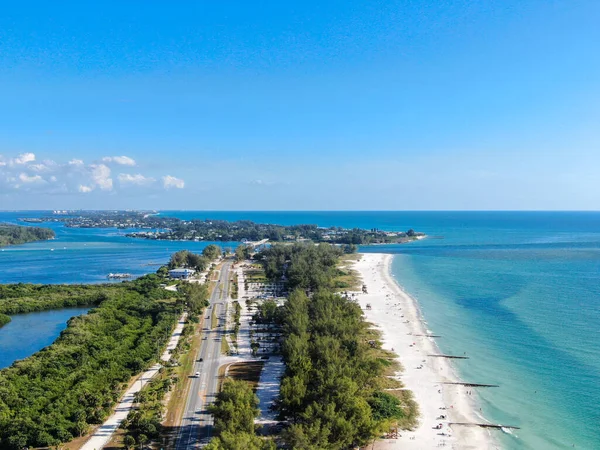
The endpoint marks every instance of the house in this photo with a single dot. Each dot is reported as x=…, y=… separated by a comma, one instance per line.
x=181, y=273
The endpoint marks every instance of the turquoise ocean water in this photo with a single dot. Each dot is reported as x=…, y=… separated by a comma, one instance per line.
x=518, y=291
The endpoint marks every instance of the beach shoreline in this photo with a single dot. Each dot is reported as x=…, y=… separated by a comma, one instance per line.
x=398, y=316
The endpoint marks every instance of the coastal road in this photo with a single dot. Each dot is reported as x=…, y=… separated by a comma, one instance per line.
x=196, y=424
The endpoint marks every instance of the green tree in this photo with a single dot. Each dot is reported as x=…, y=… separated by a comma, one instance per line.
x=129, y=442
x=240, y=441
x=57, y=393
x=197, y=262
x=234, y=411
x=142, y=440
x=268, y=312
x=243, y=252
x=212, y=251
x=331, y=388
x=235, y=408
x=196, y=296
x=179, y=259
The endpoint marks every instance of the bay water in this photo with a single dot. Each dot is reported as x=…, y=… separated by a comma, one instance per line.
x=28, y=333
x=519, y=292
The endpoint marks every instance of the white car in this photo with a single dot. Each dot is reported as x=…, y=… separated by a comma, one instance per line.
x=197, y=374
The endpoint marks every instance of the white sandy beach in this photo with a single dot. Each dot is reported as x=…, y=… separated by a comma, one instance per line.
x=399, y=319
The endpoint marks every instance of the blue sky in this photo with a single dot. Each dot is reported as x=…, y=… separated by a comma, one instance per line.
x=300, y=105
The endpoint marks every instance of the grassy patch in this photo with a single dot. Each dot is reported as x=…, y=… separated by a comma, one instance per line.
x=224, y=346
x=182, y=372
x=221, y=374
x=255, y=275
x=387, y=383
x=214, y=318
x=408, y=420
x=234, y=286
x=237, y=310
x=350, y=257
x=248, y=372
x=347, y=279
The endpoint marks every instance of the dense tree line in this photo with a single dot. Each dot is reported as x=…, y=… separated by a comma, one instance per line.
x=243, y=252
x=57, y=393
x=332, y=390
x=212, y=251
x=144, y=422
x=172, y=228
x=304, y=266
x=234, y=411
x=196, y=296
x=185, y=258
x=225, y=231
x=16, y=234
x=23, y=298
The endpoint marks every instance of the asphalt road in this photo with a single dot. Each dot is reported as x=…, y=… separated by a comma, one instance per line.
x=196, y=425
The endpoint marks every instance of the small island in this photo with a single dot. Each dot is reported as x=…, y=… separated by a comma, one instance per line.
x=16, y=234
x=149, y=225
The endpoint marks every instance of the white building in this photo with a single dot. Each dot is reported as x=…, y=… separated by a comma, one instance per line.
x=181, y=273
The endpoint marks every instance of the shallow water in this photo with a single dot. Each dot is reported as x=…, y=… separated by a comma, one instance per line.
x=528, y=315
x=518, y=291
x=29, y=333
x=84, y=255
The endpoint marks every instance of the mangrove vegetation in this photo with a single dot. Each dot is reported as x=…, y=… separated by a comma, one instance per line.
x=16, y=234
x=59, y=392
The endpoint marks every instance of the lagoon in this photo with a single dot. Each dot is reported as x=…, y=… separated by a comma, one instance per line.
x=517, y=291
x=31, y=332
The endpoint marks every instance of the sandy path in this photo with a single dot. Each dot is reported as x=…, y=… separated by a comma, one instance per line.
x=399, y=319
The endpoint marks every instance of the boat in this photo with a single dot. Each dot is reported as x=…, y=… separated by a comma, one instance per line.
x=119, y=275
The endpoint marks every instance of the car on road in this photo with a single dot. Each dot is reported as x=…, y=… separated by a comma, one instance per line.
x=197, y=374
x=200, y=359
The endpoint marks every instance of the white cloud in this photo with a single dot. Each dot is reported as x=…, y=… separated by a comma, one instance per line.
x=172, y=182
x=23, y=158
x=259, y=182
x=46, y=166
x=123, y=160
x=30, y=179
x=101, y=176
x=23, y=173
x=138, y=179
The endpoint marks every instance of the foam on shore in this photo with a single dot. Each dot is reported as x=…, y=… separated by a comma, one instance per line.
x=399, y=319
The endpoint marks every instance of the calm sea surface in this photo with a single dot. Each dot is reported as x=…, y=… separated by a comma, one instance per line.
x=29, y=333
x=518, y=291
